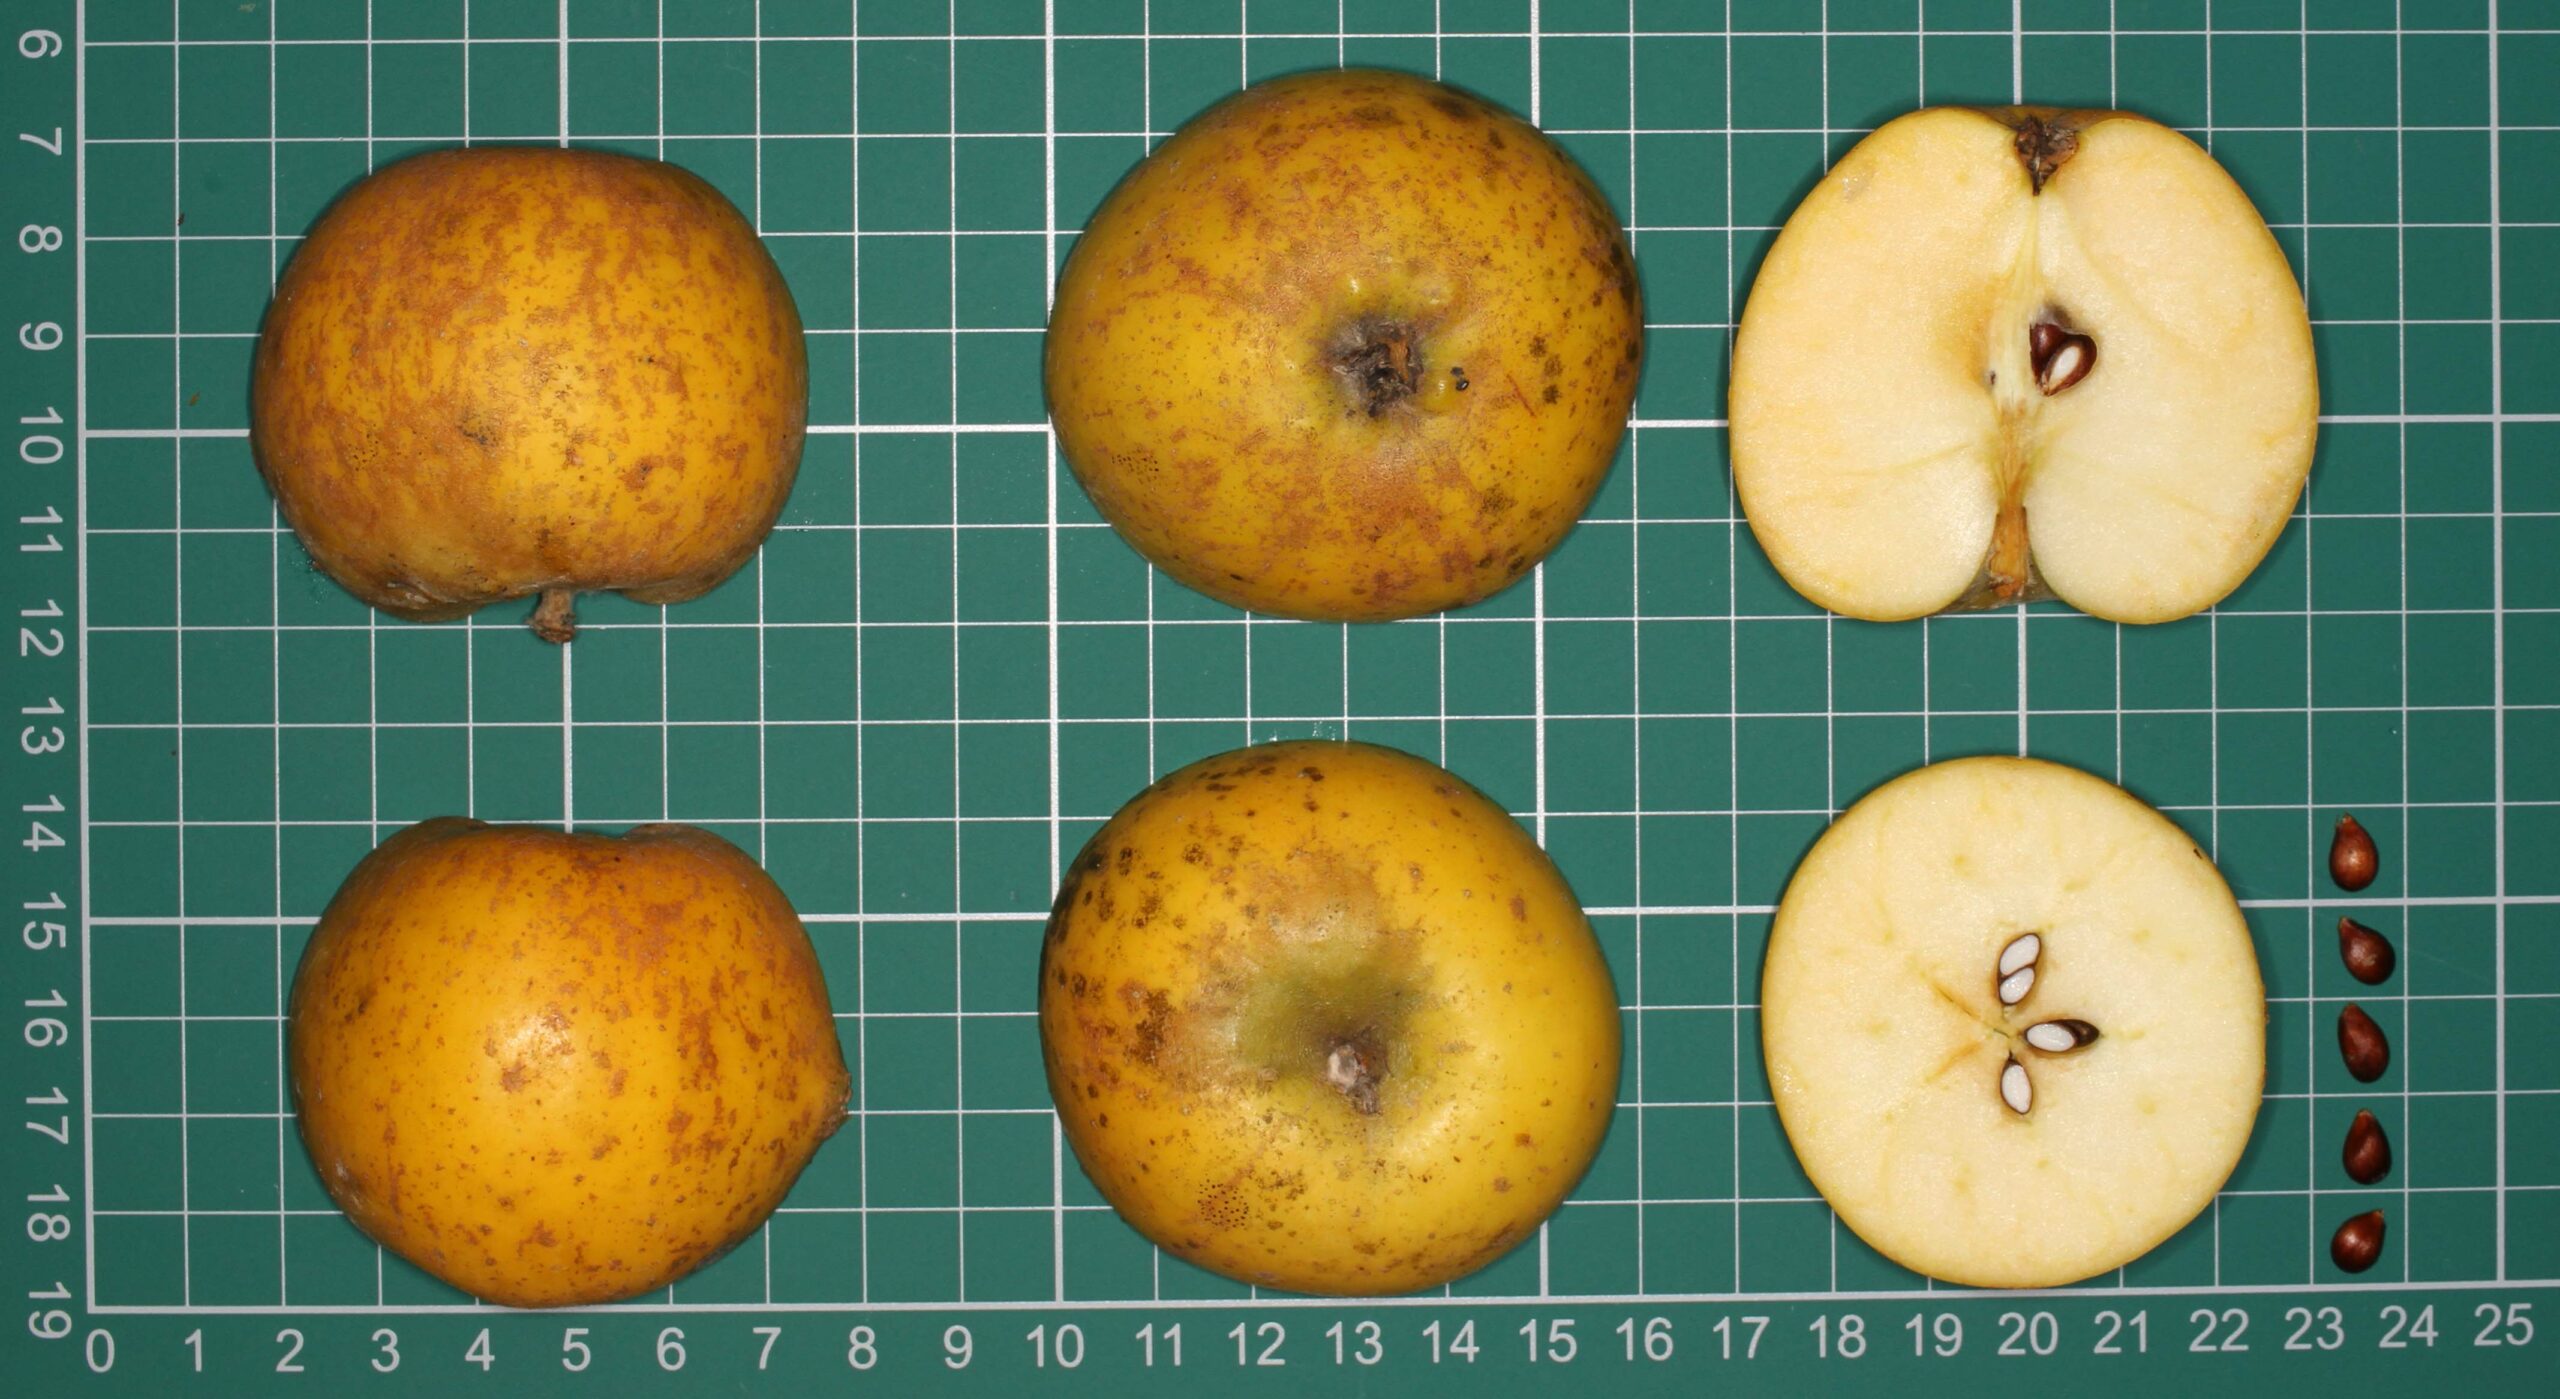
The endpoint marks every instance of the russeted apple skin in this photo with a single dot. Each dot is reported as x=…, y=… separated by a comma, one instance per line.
x=500, y=371
x=1193, y=355
x=1891, y=447
x=560, y=1068
x=1886, y=1037
x=1248, y=918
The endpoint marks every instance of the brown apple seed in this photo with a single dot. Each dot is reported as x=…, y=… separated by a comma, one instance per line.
x=2368, y=954
x=2059, y=357
x=2368, y=1153
x=2353, y=861
x=2358, y=1243
x=2362, y=1045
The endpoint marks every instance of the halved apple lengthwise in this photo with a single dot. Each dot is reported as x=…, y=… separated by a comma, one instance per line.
x=2005, y=354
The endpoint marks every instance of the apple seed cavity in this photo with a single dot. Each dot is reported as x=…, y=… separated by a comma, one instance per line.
x=2015, y=1090
x=2014, y=975
x=2061, y=1036
x=2015, y=986
x=2059, y=357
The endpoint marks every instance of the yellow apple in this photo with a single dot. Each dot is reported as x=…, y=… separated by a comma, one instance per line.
x=2005, y=354
x=501, y=371
x=1319, y=1016
x=556, y=1069
x=1350, y=346
x=2014, y=1023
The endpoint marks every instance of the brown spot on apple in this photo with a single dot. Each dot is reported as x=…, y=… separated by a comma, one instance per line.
x=1222, y=1206
x=1149, y=1032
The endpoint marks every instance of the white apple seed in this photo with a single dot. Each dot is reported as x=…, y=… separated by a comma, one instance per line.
x=2014, y=1088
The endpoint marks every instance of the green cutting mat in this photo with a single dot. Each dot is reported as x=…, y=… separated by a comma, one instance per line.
x=943, y=671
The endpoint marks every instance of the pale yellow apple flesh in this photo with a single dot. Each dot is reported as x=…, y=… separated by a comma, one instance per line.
x=1901, y=988
x=1893, y=446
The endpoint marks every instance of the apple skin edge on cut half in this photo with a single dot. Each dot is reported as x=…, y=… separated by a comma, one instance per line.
x=2013, y=1023
x=1999, y=355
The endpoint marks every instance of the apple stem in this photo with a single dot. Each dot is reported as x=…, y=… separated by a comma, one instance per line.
x=555, y=617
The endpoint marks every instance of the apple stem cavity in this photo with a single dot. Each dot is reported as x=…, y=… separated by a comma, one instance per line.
x=2043, y=145
x=1353, y=1068
x=555, y=617
x=1380, y=360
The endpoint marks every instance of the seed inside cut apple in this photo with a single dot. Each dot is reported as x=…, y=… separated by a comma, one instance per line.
x=2013, y=1022
x=2014, y=353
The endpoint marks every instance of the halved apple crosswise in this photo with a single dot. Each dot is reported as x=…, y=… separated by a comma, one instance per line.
x=2014, y=1023
x=2004, y=354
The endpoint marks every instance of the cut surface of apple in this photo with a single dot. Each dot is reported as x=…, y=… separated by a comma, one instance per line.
x=2013, y=1022
x=2003, y=354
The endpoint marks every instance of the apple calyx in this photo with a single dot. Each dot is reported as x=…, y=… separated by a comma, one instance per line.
x=1379, y=360
x=555, y=617
x=1354, y=1067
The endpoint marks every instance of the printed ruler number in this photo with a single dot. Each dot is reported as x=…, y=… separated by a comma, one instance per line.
x=2399, y=1328
x=1065, y=1345
x=2325, y=1329
x=2210, y=1322
x=1270, y=1333
x=2511, y=1325
x=40, y=176
x=1655, y=1338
